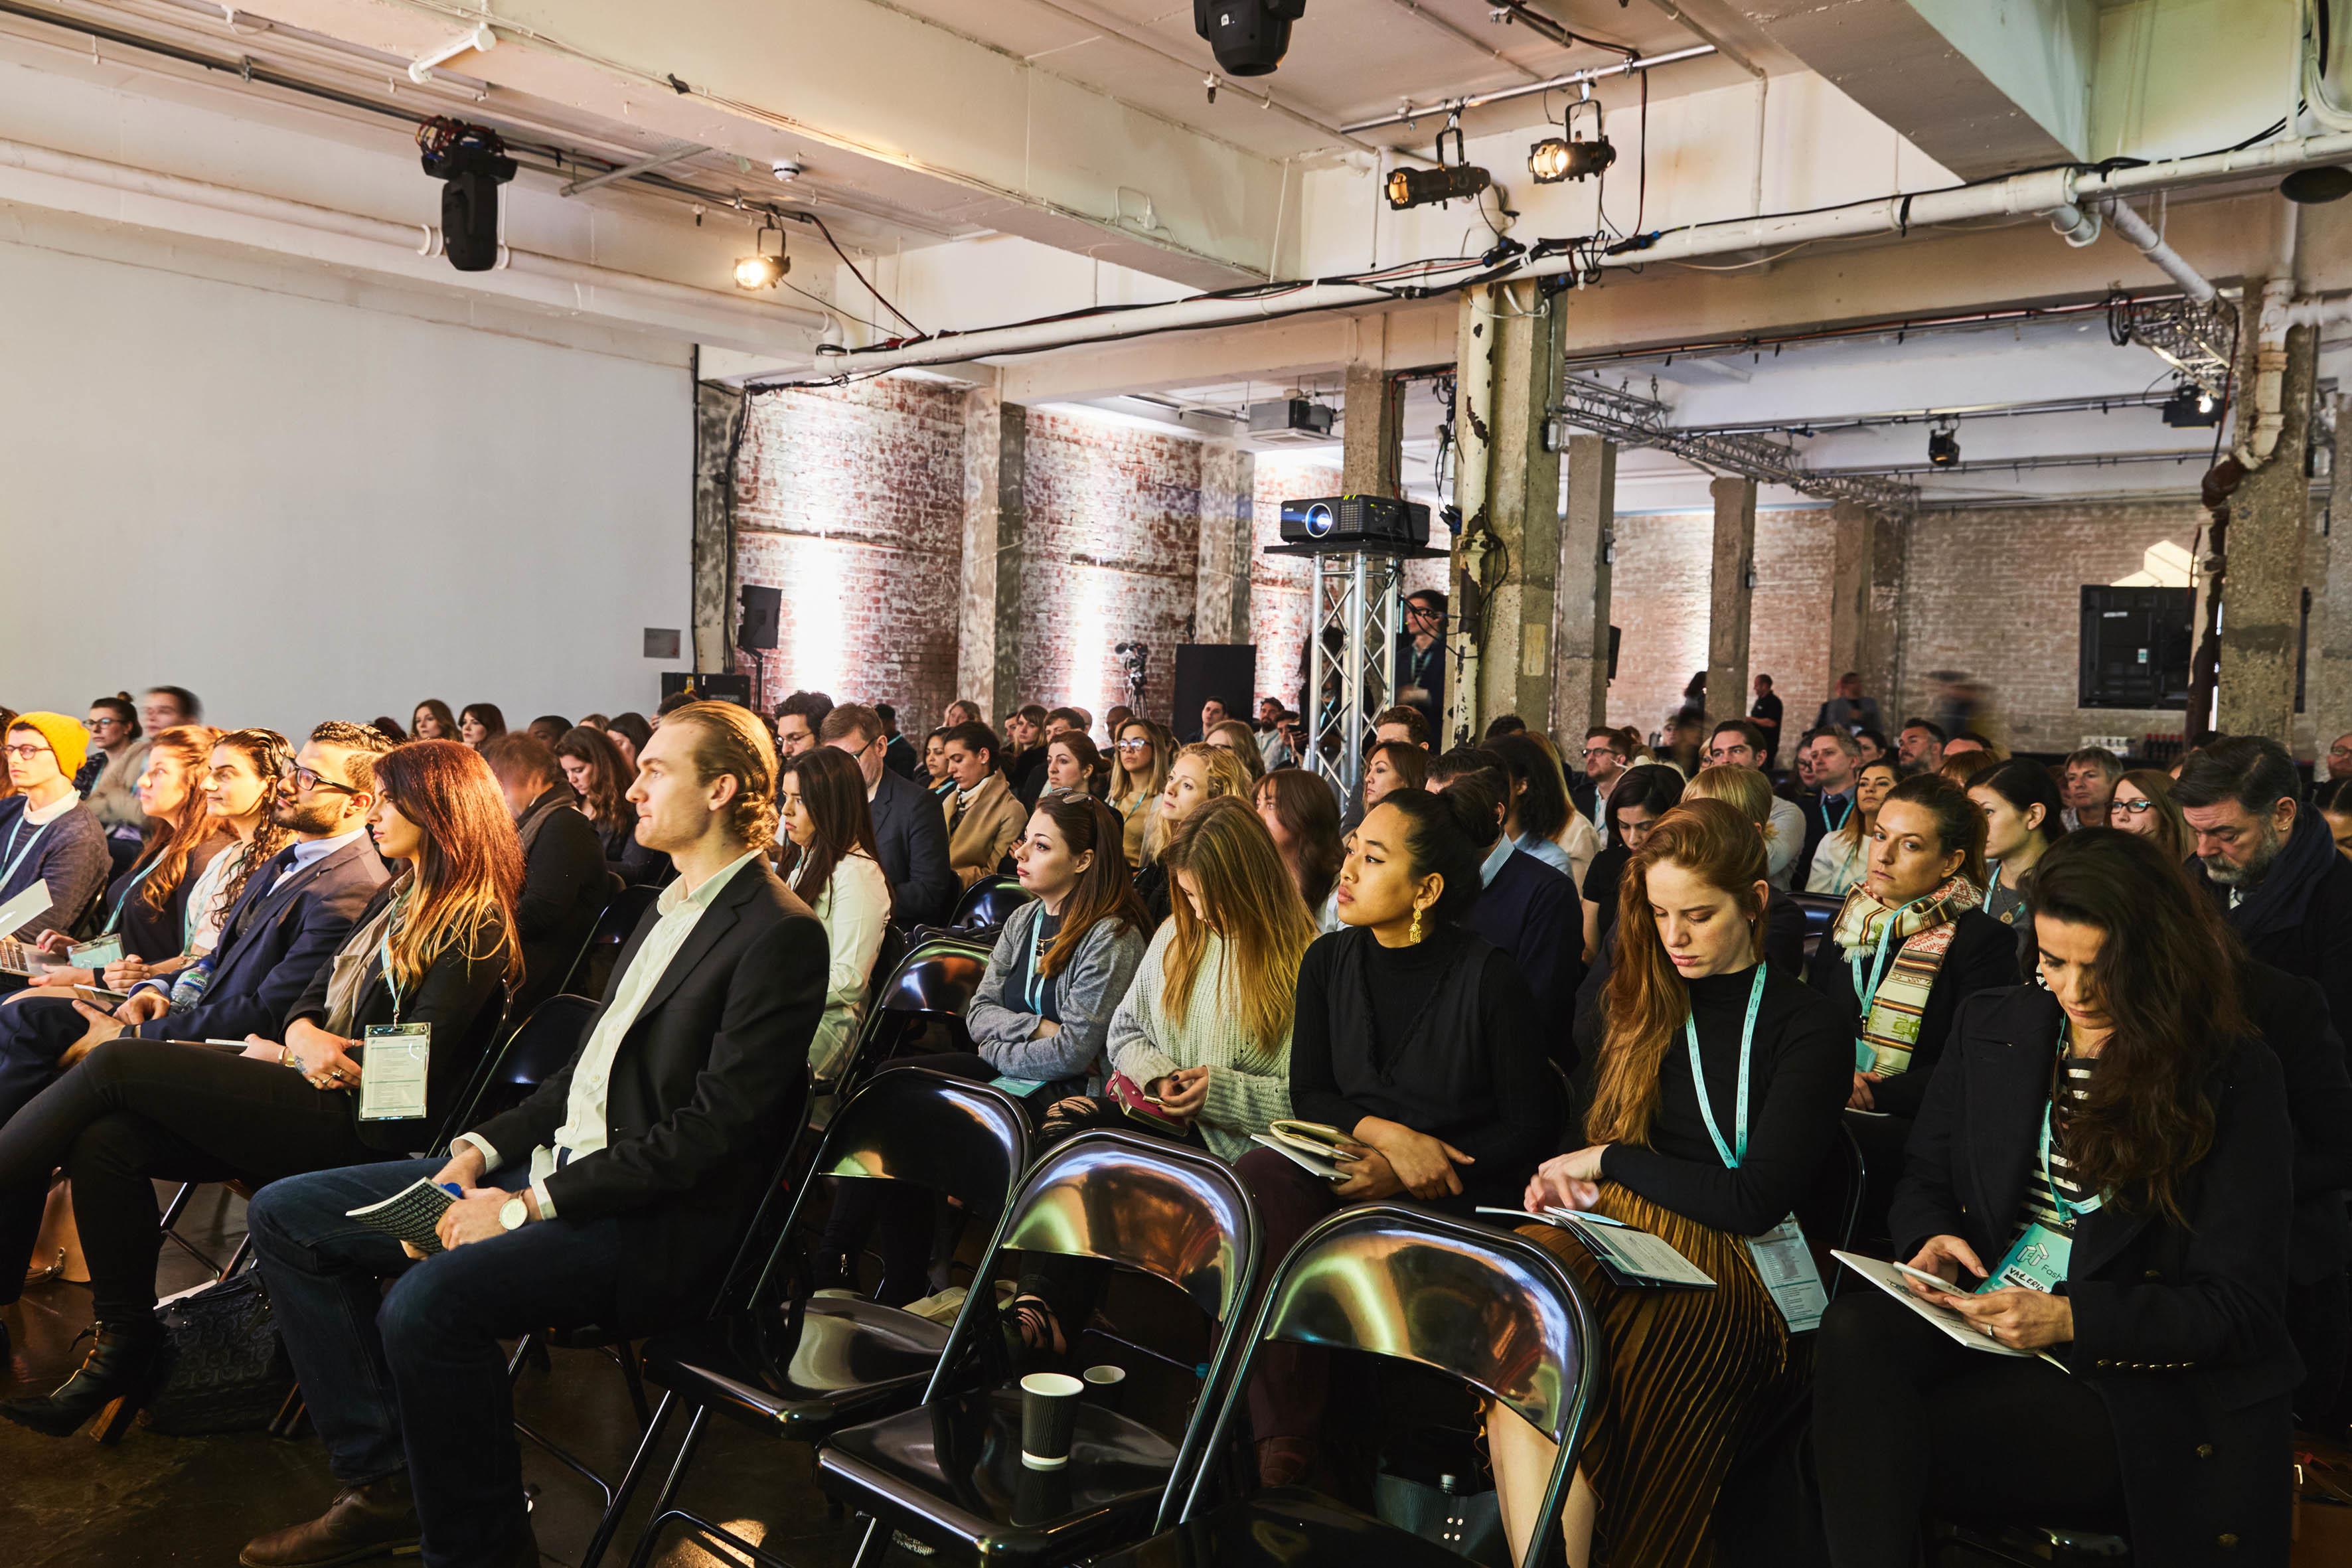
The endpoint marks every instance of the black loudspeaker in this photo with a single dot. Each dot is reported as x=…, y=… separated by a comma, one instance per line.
x=1225, y=670
x=1616, y=636
x=735, y=689
x=759, y=607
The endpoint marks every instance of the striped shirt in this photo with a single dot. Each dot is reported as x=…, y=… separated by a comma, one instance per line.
x=2039, y=1209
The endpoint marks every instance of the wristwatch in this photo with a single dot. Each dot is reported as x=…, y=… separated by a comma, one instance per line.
x=513, y=1212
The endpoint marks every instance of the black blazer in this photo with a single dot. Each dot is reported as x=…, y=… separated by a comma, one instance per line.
x=707, y=1092
x=2291, y=1014
x=1983, y=954
x=1531, y=912
x=910, y=839
x=451, y=996
x=272, y=945
x=565, y=887
x=2178, y=1327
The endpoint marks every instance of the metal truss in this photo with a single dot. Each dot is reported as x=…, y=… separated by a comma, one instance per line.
x=2196, y=340
x=1634, y=421
x=1358, y=595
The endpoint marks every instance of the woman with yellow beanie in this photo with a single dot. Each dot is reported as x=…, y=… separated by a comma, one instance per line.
x=46, y=835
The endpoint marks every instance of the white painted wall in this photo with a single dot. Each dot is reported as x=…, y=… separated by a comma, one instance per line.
x=304, y=508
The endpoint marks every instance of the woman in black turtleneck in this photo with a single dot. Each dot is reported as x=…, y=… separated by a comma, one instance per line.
x=1688, y=1369
x=1417, y=1040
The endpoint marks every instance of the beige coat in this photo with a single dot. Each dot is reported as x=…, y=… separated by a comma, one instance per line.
x=991, y=823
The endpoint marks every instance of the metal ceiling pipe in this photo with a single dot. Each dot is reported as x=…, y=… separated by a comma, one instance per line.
x=1411, y=113
x=2136, y=229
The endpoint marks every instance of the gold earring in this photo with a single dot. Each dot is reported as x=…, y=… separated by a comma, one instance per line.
x=1413, y=936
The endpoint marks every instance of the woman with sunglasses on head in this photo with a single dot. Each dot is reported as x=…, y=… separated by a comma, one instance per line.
x=2102, y=1175
x=1140, y=758
x=426, y=958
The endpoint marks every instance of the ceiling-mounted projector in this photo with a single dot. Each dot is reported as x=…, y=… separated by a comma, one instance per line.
x=1292, y=419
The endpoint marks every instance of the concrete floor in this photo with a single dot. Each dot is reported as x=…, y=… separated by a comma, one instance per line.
x=155, y=1500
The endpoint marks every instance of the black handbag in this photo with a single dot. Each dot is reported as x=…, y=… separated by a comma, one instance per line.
x=226, y=1368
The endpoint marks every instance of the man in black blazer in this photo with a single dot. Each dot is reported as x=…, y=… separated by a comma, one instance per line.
x=898, y=754
x=565, y=886
x=1528, y=909
x=910, y=832
x=613, y=1195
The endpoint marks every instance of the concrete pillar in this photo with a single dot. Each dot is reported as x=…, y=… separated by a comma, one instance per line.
x=1368, y=433
x=1515, y=332
x=718, y=414
x=2329, y=701
x=1731, y=593
x=1580, y=661
x=995, y=521
x=1852, y=532
x=1881, y=662
x=2262, y=598
x=1220, y=594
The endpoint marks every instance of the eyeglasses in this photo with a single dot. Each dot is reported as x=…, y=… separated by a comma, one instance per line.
x=26, y=749
x=1600, y=750
x=305, y=780
x=2135, y=807
x=1134, y=745
x=95, y=725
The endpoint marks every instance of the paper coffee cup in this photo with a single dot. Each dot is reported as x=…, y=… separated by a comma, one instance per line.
x=1049, y=1418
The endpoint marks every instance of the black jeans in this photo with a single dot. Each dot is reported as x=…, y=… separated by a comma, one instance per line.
x=35, y=1031
x=1908, y=1422
x=136, y=1109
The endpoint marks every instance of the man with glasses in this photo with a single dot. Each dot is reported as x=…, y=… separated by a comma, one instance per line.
x=1421, y=656
x=112, y=724
x=46, y=835
x=910, y=836
x=1605, y=757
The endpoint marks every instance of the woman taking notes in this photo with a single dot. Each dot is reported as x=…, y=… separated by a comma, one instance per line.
x=1717, y=1095
x=2103, y=1170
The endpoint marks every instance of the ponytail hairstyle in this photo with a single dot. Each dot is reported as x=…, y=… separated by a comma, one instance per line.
x=1249, y=901
x=123, y=708
x=470, y=871
x=171, y=844
x=1744, y=789
x=1441, y=840
x=268, y=754
x=1647, y=999
x=2025, y=785
x=1959, y=821
x=832, y=791
x=1105, y=889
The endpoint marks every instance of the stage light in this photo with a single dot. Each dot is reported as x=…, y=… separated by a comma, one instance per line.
x=759, y=269
x=1452, y=181
x=1944, y=446
x=1249, y=38
x=471, y=163
x=2191, y=408
x=1552, y=160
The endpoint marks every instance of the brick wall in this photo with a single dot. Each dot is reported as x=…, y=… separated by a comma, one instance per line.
x=1282, y=586
x=1998, y=593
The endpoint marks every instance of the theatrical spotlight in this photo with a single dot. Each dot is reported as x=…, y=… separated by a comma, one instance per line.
x=1552, y=160
x=2192, y=407
x=1248, y=36
x=1944, y=446
x=1419, y=188
x=759, y=269
x=472, y=162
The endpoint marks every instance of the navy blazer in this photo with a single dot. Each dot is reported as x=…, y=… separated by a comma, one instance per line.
x=274, y=943
x=910, y=839
x=1531, y=912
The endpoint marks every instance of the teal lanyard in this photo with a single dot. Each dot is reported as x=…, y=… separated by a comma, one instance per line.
x=116, y=918
x=1992, y=883
x=1869, y=993
x=2058, y=1203
x=1032, y=987
x=18, y=856
x=1822, y=805
x=1736, y=1151
x=391, y=981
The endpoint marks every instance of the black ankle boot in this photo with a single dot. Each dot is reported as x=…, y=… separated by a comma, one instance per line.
x=114, y=1379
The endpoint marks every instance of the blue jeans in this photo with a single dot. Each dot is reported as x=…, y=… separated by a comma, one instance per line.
x=415, y=1378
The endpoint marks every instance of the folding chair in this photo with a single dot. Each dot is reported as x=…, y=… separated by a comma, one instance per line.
x=988, y=903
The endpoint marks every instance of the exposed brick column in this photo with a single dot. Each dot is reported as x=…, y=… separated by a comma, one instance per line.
x=1580, y=664
x=1220, y=600
x=1730, y=594
x=1881, y=663
x=717, y=411
x=2262, y=598
x=995, y=525
x=1852, y=534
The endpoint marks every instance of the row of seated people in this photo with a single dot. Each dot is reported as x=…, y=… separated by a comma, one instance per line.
x=1422, y=1042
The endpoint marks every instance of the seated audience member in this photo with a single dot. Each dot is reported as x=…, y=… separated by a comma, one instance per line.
x=828, y=861
x=433, y=721
x=1749, y=792
x=596, y=721
x=565, y=885
x=1968, y=743
x=961, y=713
x=114, y=800
x=2022, y=818
x=1504, y=724
x=48, y=837
x=2332, y=800
x=1073, y=766
x=1919, y=745
x=1115, y=718
x=1393, y=765
x=1025, y=752
x=162, y=707
x=1302, y=815
x=1524, y=906
x=1213, y=713
x=1738, y=744
x=547, y=729
x=1139, y=776
x=480, y=722
x=1417, y=1040
x=616, y=1194
x=1719, y=1088
x=1066, y=720
x=591, y=765
x=387, y=726
x=2142, y=804
x=1539, y=817
x=628, y=733
x=910, y=837
x=1233, y=735
x=2091, y=775
x=1201, y=773
x=898, y=754
x=1273, y=749
x=936, y=777
x=2101, y=1169
x=1841, y=858
x=430, y=950
x=667, y=706
x=1833, y=757
x=982, y=818
x=114, y=724
x=1405, y=724
x=1873, y=744
x=1638, y=798
x=2269, y=862
x=798, y=719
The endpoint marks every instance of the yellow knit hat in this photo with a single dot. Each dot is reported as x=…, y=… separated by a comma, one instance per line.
x=65, y=737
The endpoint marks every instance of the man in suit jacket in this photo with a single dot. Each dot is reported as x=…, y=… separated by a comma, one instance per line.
x=984, y=820
x=613, y=1195
x=910, y=833
x=565, y=886
x=1530, y=909
x=286, y=926
x=898, y=754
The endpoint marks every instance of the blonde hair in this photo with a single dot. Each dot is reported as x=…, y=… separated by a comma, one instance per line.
x=732, y=739
x=1129, y=790
x=1743, y=789
x=1252, y=905
x=1225, y=778
x=1245, y=750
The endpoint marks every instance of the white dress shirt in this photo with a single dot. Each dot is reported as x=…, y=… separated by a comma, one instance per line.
x=854, y=906
x=582, y=1133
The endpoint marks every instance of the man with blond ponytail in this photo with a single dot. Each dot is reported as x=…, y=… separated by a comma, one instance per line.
x=613, y=1195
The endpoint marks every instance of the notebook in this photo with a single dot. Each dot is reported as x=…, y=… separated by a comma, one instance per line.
x=1311, y=1146
x=410, y=1213
x=1883, y=1275
x=1627, y=1253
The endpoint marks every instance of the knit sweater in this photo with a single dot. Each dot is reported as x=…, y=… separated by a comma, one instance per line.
x=68, y=853
x=1248, y=1089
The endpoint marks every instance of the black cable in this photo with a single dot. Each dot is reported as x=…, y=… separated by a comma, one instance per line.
x=822, y=228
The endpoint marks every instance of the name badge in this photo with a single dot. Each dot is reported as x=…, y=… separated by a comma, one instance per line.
x=393, y=1066
x=1785, y=1264
x=2036, y=1261
x=101, y=953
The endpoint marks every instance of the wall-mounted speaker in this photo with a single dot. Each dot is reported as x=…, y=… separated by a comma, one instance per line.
x=759, y=609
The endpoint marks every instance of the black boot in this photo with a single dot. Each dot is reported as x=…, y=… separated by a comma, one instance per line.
x=114, y=1379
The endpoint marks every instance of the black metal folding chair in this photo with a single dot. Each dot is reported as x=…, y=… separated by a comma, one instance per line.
x=594, y=970
x=988, y=904
x=934, y=983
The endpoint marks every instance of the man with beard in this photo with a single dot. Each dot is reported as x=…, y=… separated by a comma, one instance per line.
x=2270, y=863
